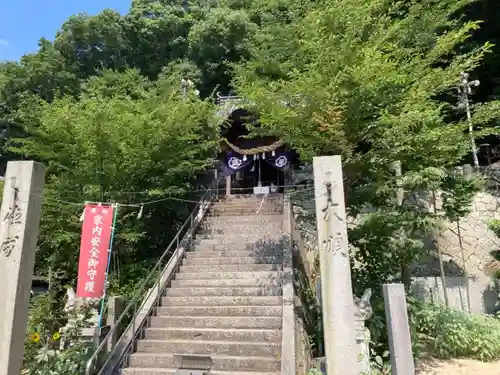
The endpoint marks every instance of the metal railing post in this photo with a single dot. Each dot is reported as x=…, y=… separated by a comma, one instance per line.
x=177, y=254
x=134, y=312
x=216, y=185
x=191, y=229
x=158, y=297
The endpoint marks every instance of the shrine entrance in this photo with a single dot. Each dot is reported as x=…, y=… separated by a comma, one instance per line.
x=251, y=165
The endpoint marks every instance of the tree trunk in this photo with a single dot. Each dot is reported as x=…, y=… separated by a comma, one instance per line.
x=405, y=269
x=440, y=259
x=464, y=266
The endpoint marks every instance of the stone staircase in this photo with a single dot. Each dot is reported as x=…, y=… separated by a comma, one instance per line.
x=226, y=300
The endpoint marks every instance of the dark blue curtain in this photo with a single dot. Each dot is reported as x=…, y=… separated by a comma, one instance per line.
x=279, y=160
x=234, y=163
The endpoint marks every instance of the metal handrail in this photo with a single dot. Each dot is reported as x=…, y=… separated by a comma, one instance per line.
x=206, y=199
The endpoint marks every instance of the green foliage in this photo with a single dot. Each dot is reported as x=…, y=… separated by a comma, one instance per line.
x=218, y=40
x=494, y=225
x=450, y=333
x=102, y=108
x=380, y=252
x=380, y=364
x=309, y=310
x=118, y=146
x=343, y=78
x=458, y=194
x=366, y=79
x=43, y=352
x=314, y=371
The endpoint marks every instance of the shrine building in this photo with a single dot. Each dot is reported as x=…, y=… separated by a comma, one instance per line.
x=257, y=165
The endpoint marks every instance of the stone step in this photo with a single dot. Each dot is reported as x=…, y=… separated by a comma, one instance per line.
x=268, y=322
x=255, y=205
x=263, y=275
x=270, y=199
x=224, y=363
x=241, y=220
x=243, y=334
x=260, y=247
x=222, y=301
x=199, y=261
x=167, y=371
x=253, y=282
x=243, y=212
x=231, y=268
x=231, y=238
x=237, y=211
x=231, y=230
x=223, y=291
x=173, y=371
x=240, y=226
x=251, y=196
x=220, y=311
x=234, y=238
x=200, y=347
x=210, y=253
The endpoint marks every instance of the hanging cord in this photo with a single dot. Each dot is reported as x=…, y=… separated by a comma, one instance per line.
x=110, y=251
x=261, y=203
x=146, y=203
x=255, y=150
x=148, y=192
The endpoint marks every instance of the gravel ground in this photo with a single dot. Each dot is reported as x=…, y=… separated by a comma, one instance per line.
x=432, y=366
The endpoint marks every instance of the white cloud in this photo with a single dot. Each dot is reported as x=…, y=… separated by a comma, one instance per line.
x=4, y=43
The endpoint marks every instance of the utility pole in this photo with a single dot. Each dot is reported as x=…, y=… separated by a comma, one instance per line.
x=339, y=329
x=464, y=90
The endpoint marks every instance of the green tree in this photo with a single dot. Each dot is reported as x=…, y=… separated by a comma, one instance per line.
x=157, y=34
x=139, y=145
x=366, y=79
x=92, y=43
x=218, y=40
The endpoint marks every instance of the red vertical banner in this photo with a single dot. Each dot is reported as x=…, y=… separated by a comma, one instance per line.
x=96, y=234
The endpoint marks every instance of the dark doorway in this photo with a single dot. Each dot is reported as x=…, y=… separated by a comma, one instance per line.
x=271, y=175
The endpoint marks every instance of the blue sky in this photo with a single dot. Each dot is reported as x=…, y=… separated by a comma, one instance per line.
x=24, y=22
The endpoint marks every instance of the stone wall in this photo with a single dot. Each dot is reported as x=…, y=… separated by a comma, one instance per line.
x=484, y=295
x=304, y=277
x=478, y=241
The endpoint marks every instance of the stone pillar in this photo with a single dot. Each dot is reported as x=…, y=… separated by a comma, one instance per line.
x=363, y=312
x=19, y=224
x=91, y=332
x=363, y=344
x=116, y=305
x=228, y=186
x=339, y=329
x=398, y=330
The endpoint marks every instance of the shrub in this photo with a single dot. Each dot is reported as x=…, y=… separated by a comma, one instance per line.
x=43, y=354
x=451, y=333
